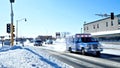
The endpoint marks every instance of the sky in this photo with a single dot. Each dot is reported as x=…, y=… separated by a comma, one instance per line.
x=46, y=17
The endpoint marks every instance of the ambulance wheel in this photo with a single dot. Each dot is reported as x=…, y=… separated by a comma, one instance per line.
x=70, y=50
x=83, y=51
x=98, y=53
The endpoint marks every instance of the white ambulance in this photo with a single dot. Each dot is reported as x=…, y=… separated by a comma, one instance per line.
x=83, y=43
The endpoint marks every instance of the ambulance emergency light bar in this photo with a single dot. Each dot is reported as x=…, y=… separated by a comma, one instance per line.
x=83, y=35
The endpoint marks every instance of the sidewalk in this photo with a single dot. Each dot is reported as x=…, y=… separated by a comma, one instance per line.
x=111, y=49
x=110, y=46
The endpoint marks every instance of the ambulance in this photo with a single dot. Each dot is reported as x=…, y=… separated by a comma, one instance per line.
x=84, y=44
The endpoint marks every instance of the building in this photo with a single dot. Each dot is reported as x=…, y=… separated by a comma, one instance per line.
x=104, y=29
x=44, y=38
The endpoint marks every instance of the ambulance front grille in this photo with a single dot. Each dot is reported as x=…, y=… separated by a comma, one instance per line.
x=95, y=46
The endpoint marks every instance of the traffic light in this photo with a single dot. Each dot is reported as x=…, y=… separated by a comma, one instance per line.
x=8, y=28
x=13, y=28
x=13, y=35
x=112, y=15
x=12, y=1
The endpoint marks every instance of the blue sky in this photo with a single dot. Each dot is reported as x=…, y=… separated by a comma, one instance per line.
x=45, y=17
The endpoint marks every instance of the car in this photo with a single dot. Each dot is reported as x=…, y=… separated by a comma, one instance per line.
x=7, y=42
x=38, y=43
x=49, y=42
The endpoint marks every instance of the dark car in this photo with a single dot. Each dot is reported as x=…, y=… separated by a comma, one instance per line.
x=38, y=43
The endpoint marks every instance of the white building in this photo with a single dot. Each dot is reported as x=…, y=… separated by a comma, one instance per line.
x=104, y=29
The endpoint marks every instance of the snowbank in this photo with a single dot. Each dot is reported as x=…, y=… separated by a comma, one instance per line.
x=61, y=40
x=59, y=45
x=27, y=57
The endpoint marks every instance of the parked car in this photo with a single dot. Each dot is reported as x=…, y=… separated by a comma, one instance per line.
x=38, y=43
x=7, y=42
x=49, y=42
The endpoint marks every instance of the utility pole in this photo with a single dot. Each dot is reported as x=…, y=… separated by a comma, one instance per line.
x=12, y=14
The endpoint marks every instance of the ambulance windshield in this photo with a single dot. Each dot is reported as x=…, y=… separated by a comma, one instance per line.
x=86, y=39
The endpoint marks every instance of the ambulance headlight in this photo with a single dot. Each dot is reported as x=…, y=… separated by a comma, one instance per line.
x=88, y=46
x=100, y=46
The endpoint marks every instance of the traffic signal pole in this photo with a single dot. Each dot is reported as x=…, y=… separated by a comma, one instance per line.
x=107, y=15
x=12, y=38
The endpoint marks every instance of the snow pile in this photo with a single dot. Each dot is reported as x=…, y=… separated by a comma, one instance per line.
x=27, y=57
x=60, y=40
x=17, y=57
x=28, y=43
x=22, y=59
x=59, y=45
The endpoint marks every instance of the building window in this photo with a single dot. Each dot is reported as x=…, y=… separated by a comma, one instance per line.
x=84, y=28
x=87, y=28
x=93, y=26
x=111, y=23
x=119, y=21
x=97, y=25
x=106, y=24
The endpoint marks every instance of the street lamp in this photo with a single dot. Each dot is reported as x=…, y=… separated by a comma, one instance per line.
x=17, y=28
